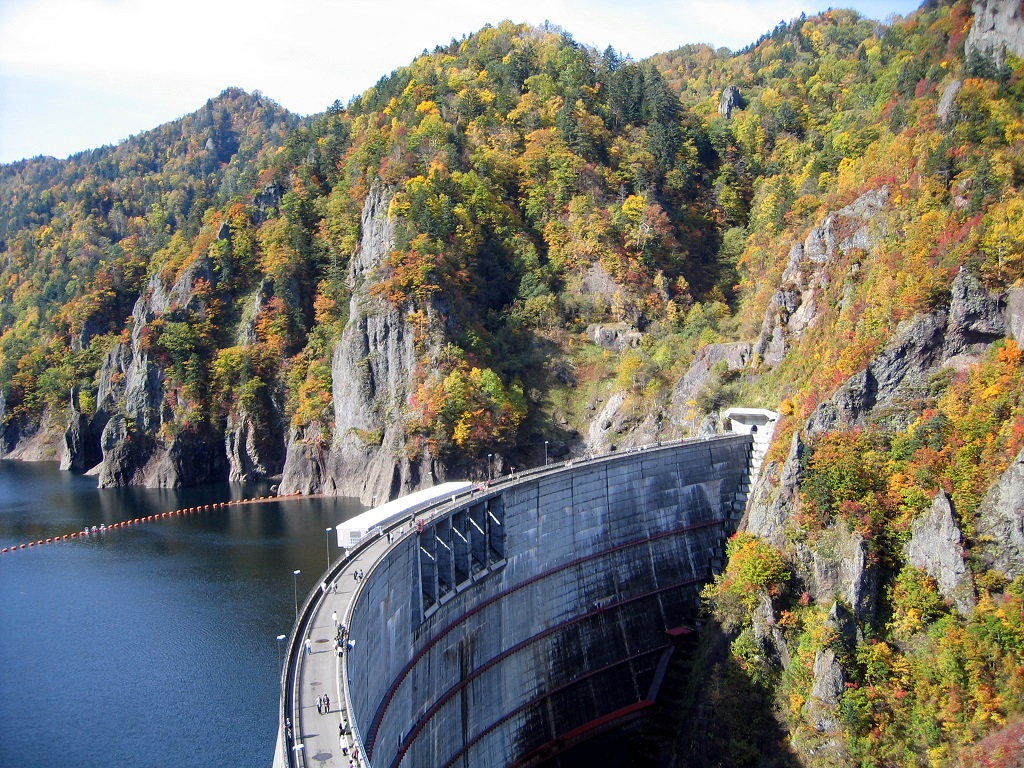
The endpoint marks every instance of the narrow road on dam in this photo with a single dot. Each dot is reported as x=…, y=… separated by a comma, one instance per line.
x=325, y=739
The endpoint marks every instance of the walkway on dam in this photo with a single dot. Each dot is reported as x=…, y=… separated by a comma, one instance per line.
x=319, y=672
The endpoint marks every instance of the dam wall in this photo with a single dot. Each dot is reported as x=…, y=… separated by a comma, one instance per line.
x=517, y=621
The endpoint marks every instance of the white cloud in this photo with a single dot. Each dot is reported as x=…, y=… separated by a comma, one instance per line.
x=306, y=53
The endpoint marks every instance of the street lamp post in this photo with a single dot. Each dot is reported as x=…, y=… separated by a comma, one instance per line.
x=279, y=639
x=329, y=551
x=545, y=453
x=489, y=456
x=295, y=579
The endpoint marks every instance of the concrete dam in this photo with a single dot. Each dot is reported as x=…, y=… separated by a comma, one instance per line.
x=505, y=625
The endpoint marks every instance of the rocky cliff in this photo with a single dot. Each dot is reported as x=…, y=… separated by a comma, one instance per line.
x=374, y=371
x=834, y=566
x=142, y=442
x=998, y=28
x=899, y=374
x=795, y=305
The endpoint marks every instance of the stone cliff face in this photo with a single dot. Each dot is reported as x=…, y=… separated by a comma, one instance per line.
x=795, y=306
x=374, y=371
x=936, y=547
x=998, y=27
x=254, y=434
x=138, y=447
x=1000, y=521
x=835, y=564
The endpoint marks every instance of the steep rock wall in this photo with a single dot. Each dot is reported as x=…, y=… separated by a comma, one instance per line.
x=835, y=564
x=795, y=305
x=374, y=370
x=137, y=450
x=998, y=27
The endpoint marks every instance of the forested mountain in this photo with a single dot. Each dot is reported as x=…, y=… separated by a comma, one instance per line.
x=518, y=244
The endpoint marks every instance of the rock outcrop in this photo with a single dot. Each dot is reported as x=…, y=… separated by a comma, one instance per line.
x=81, y=448
x=731, y=99
x=998, y=28
x=616, y=337
x=374, y=370
x=975, y=318
x=936, y=547
x=734, y=356
x=947, y=101
x=768, y=633
x=255, y=450
x=822, y=708
x=775, y=496
x=829, y=684
x=836, y=567
x=1000, y=522
x=795, y=306
x=899, y=373
x=141, y=442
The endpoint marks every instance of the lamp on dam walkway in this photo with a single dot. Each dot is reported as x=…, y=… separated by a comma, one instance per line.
x=295, y=579
x=279, y=639
x=328, y=531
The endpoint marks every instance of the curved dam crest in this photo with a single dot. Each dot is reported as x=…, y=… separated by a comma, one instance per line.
x=517, y=621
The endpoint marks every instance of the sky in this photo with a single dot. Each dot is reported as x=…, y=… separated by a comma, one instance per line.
x=80, y=74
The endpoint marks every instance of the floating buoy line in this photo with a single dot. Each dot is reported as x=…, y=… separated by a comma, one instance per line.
x=96, y=530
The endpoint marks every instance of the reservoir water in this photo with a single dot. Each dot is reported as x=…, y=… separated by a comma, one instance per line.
x=152, y=645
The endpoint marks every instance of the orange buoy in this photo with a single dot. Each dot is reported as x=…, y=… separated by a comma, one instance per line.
x=48, y=540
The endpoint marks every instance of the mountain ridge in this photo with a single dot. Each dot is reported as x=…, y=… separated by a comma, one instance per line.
x=519, y=248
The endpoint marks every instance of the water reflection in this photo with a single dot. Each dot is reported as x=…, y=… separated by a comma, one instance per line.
x=154, y=643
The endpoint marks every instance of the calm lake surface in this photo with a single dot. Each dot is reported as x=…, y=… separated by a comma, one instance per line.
x=152, y=645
